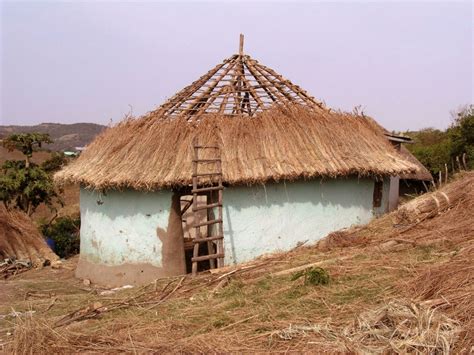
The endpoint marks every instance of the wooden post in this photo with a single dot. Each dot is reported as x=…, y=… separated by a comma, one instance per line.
x=458, y=162
x=220, y=243
x=195, y=204
x=241, y=45
x=440, y=178
x=464, y=163
x=446, y=172
x=210, y=217
x=425, y=186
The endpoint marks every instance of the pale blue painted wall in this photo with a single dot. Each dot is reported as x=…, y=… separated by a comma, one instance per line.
x=264, y=219
x=120, y=226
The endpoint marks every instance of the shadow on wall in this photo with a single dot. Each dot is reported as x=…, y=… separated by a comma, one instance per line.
x=131, y=203
x=341, y=192
x=230, y=233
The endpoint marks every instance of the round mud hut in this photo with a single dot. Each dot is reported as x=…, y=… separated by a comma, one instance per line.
x=240, y=163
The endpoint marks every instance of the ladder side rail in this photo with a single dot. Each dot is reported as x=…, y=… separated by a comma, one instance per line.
x=210, y=244
x=220, y=243
x=195, y=205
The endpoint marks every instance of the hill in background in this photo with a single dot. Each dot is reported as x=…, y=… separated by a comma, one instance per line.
x=65, y=136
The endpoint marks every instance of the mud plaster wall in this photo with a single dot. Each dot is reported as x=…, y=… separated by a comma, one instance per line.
x=274, y=217
x=128, y=234
x=122, y=233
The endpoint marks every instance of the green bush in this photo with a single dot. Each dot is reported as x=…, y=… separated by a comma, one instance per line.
x=434, y=148
x=64, y=231
x=312, y=276
x=55, y=162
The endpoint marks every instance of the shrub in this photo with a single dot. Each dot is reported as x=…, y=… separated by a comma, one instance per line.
x=54, y=163
x=64, y=231
x=312, y=276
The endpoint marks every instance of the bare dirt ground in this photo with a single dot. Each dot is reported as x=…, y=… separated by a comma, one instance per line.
x=403, y=283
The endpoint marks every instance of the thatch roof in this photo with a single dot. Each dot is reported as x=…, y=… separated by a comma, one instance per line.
x=20, y=239
x=267, y=128
x=421, y=173
x=280, y=143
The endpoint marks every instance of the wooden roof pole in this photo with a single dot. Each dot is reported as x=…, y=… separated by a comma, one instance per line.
x=173, y=103
x=211, y=87
x=241, y=45
x=236, y=83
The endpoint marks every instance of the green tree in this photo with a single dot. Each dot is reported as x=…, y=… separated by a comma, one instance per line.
x=434, y=148
x=431, y=147
x=26, y=143
x=461, y=134
x=23, y=184
x=55, y=163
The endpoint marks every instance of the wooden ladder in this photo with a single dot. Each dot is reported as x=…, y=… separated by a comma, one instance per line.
x=208, y=190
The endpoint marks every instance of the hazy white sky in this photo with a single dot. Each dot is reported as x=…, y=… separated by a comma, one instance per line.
x=408, y=64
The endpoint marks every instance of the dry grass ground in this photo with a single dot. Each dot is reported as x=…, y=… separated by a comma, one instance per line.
x=399, y=284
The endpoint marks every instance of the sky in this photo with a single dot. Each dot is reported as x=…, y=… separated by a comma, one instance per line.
x=407, y=64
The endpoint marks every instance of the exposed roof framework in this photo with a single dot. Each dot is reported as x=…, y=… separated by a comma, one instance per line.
x=239, y=85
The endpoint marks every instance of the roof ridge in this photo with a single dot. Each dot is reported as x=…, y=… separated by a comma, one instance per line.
x=240, y=85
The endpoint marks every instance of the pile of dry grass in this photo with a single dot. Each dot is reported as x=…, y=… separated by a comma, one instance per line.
x=37, y=336
x=443, y=218
x=450, y=286
x=282, y=143
x=403, y=327
x=20, y=239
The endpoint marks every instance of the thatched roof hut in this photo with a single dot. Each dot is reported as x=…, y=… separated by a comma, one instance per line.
x=293, y=170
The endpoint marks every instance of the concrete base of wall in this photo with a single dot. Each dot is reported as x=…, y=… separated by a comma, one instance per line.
x=119, y=275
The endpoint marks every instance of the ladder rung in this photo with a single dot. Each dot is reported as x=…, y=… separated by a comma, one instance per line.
x=214, y=221
x=206, y=146
x=205, y=160
x=204, y=189
x=207, y=257
x=207, y=239
x=205, y=207
x=207, y=174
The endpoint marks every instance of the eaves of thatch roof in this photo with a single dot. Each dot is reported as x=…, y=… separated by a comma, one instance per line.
x=422, y=173
x=282, y=143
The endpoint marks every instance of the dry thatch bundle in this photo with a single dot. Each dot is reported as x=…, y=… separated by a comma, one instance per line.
x=403, y=327
x=460, y=191
x=450, y=286
x=20, y=239
x=284, y=142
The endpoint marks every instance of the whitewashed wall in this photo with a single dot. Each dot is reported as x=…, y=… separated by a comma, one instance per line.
x=275, y=217
x=119, y=229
